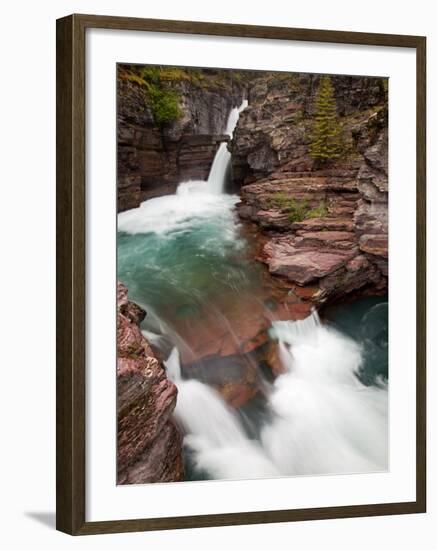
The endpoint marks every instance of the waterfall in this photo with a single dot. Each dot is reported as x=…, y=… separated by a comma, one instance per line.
x=193, y=200
x=323, y=419
x=222, y=160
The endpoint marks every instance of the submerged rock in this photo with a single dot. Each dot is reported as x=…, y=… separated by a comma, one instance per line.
x=149, y=445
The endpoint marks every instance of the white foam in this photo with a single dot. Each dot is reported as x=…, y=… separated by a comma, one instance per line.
x=192, y=204
x=324, y=420
x=214, y=431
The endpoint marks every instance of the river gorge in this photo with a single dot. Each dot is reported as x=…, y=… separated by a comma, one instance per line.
x=252, y=323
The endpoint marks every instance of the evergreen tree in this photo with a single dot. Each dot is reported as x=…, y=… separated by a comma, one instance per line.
x=326, y=138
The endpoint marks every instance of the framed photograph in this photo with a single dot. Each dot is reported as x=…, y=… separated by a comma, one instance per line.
x=240, y=274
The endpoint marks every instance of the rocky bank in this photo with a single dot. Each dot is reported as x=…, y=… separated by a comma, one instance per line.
x=323, y=226
x=149, y=443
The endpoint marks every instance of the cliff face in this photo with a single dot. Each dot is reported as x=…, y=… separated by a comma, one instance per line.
x=325, y=223
x=149, y=443
x=154, y=156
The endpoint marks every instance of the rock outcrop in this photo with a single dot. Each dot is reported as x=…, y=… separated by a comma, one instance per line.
x=325, y=224
x=153, y=157
x=149, y=443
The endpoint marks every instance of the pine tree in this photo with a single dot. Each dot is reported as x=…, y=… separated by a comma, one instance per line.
x=326, y=138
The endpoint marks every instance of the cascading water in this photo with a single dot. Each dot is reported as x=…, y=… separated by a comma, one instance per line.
x=221, y=164
x=194, y=200
x=183, y=259
x=323, y=419
x=214, y=432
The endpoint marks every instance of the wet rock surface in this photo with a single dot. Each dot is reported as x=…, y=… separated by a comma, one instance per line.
x=149, y=445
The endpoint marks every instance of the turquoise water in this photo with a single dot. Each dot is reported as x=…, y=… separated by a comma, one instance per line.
x=366, y=321
x=184, y=259
x=176, y=273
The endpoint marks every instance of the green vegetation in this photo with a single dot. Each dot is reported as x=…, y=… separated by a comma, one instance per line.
x=162, y=86
x=164, y=105
x=326, y=141
x=320, y=211
x=383, y=84
x=298, y=211
x=160, y=97
x=156, y=74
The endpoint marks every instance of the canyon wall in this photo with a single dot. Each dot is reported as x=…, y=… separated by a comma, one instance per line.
x=154, y=155
x=149, y=445
x=323, y=225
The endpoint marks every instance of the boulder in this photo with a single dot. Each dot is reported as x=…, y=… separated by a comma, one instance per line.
x=302, y=265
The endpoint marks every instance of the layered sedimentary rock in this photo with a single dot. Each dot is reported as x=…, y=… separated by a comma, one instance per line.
x=153, y=157
x=149, y=443
x=324, y=224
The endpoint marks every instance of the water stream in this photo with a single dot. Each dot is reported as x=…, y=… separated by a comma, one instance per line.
x=185, y=259
x=220, y=167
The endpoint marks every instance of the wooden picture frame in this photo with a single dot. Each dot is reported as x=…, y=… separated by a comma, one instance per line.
x=71, y=253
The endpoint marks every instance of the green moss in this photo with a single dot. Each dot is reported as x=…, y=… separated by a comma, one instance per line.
x=298, y=211
x=133, y=77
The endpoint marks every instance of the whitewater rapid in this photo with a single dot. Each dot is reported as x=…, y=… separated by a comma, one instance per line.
x=322, y=420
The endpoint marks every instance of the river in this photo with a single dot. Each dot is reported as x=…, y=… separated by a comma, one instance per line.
x=185, y=259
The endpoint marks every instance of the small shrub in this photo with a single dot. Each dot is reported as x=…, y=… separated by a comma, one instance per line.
x=164, y=105
x=298, y=211
x=281, y=200
x=319, y=211
x=150, y=74
x=159, y=96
